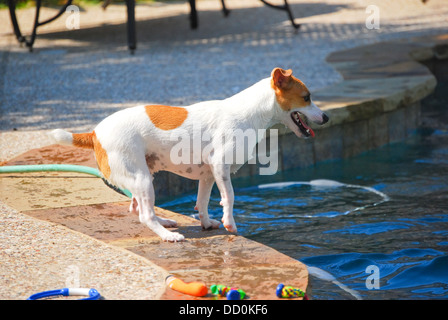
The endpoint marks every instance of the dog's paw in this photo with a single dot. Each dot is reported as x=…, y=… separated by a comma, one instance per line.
x=173, y=237
x=167, y=223
x=215, y=223
x=210, y=224
x=230, y=226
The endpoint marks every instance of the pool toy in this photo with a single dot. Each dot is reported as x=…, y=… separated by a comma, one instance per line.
x=229, y=292
x=289, y=292
x=197, y=289
x=92, y=294
x=234, y=295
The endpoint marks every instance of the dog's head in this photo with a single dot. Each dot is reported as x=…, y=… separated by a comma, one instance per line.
x=294, y=100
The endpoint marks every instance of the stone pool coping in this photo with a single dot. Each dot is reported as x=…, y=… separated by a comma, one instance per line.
x=390, y=84
x=380, y=78
x=85, y=205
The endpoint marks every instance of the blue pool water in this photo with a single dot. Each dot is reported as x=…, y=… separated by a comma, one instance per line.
x=348, y=233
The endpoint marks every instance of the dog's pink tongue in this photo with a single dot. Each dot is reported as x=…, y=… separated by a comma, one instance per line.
x=307, y=127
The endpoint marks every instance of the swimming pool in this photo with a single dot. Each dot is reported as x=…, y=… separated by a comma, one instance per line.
x=352, y=236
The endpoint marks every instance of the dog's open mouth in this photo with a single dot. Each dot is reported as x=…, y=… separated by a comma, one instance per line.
x=303, y=126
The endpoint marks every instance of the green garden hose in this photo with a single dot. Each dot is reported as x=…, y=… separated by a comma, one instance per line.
x=62, y=168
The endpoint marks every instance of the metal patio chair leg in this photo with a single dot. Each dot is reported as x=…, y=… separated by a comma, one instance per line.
x=193, y=15
x=132, y=38
x=286, y=8
x=224, y=8
x=21, y=38
x=194, y=22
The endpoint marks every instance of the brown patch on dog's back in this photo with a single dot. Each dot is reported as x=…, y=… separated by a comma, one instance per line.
x=289, y=90
x=166, y=117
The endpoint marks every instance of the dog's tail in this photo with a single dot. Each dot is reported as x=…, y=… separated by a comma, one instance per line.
x=81, y=140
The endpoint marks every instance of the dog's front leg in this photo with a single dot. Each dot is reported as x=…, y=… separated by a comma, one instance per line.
x=221, y=173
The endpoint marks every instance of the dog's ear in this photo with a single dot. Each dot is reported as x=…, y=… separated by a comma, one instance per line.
x=281, y=77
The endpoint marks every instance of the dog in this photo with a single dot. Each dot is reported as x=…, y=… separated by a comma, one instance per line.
x=133, y=144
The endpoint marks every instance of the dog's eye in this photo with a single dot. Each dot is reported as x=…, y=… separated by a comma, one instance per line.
x=306, y=98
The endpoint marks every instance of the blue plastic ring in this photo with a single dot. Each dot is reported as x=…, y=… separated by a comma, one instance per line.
x=93, y=294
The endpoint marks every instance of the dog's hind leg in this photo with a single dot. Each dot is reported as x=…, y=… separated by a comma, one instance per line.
x=142, y=190
x=204, y=190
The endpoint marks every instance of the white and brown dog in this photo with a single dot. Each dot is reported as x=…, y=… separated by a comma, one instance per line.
x=134, y=143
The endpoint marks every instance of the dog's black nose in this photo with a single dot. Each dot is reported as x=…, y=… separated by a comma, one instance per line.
x=325, y=118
